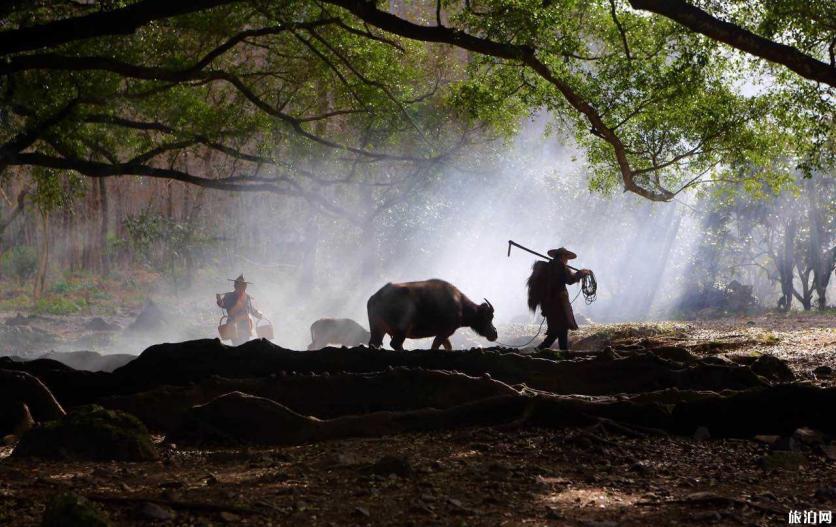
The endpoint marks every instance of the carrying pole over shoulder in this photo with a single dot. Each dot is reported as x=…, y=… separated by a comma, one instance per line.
x=535, y=253
x=515, y=244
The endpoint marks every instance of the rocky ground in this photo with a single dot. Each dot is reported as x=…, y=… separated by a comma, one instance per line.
x=597, y=476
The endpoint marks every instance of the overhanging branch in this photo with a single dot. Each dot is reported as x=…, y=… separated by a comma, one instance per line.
x=740, y=38
x=369, y=13
x=123, y=21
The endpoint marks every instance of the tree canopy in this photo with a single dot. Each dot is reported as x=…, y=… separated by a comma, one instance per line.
x=299, y=93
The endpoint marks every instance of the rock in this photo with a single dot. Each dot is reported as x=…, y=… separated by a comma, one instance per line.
x=781, y=460
x=785, y=444
x=151, y=318
x=455, y=503
x=640, y=467
x=230, y=517
x=89, y=433
x=674, y=353
x=18, y=320
x=779, y=443
x=553, y=513
x=583, y=320
x=70, y=510
x=772, y=368
x=823, y=371
x=808, y=436
x=702, y=433
x=829, y=451
x=391, y=465
x=99, y=324
x=153, y=511
x=767, y=439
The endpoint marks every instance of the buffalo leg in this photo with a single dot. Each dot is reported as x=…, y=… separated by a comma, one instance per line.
x=447, y=345
x=397, y=342
x=442, y=341
x=376, y=338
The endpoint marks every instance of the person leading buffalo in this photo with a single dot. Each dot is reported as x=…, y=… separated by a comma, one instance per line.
x=547, y=288
x=239, y=306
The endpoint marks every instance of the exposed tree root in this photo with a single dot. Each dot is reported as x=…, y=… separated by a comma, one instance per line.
x=17, y=389
x=325, y=396
x=196, y=360
x=242, y=418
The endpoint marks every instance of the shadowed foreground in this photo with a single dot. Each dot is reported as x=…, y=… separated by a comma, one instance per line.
x=631, y=430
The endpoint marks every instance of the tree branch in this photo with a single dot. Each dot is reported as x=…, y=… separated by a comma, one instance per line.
x=123, y=21
x=740, y=38
x=620, y=29
x=98, y=169
x=369, y=13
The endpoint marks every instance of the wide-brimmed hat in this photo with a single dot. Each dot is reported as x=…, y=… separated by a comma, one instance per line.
x=239, y=280
x=563, y=251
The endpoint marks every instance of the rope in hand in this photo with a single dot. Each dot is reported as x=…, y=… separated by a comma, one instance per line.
x=589, y=288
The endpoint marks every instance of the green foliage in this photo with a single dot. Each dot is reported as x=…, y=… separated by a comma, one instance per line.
x=19, y=262
x=55, y=189
x=164, y=244
x=683, y=107
x=59, y=305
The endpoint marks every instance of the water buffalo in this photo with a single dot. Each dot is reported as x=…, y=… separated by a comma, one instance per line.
x=433, y=308
x=339, y=331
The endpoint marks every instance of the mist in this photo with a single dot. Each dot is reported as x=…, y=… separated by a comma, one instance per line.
x=306, y=262
x=306, y=265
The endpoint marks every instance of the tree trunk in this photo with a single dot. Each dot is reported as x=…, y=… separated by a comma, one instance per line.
x=43, y=258
x=821, y=261
x=785, y=262
x=18, y=210
x=104, y=208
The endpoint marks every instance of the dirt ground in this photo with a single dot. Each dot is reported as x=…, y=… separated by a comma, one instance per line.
x=525, y=476
x=469, y=477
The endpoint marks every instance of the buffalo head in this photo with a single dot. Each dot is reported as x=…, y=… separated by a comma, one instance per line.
x=484, y=321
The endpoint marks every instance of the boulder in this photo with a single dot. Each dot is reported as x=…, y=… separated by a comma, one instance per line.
x=89, y=433
x=100, y=324
x=151, y=318
x=71, y=510
x=772, y=368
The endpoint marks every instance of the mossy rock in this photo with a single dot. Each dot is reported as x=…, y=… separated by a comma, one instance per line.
x=772, y=368
x=90, y=433
x=70, y=510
